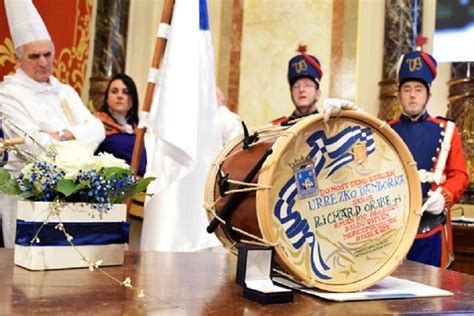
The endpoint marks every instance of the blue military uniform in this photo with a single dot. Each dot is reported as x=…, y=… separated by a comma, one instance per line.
x=424, y=135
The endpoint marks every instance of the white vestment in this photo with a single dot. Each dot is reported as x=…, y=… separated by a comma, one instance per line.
x=229, y=124
x=36, y=108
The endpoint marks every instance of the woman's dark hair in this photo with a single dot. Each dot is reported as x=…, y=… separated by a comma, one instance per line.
x=132, y=114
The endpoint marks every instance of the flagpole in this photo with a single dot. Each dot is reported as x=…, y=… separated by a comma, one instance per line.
x=150, y=88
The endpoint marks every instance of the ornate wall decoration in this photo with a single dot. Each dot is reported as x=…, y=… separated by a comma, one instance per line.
x=461, y=109
x=7, y=54
x=71, y=63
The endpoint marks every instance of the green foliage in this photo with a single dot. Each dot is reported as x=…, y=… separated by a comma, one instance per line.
x=8, y=184
x=43, y=181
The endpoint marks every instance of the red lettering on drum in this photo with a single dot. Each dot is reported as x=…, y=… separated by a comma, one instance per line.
x=359, y=182
x=334, y=188
x=376, y=220
x=382, y=175
x=362, y=199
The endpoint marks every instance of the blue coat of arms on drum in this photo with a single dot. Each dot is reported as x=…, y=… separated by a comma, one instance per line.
x=305, y=177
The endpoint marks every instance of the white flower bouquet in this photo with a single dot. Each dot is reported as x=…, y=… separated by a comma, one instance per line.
x=60, y=193
x=69, y=172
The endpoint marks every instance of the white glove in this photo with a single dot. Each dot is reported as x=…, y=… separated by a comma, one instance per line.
x=435, y=203
x=332, y=107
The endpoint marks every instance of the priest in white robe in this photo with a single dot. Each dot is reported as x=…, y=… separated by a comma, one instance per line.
x=35, y=101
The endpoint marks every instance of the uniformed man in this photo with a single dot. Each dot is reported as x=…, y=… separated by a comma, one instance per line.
x=436, y=146
x=304, y=75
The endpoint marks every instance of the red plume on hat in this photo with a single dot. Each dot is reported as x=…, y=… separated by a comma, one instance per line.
x=420, y=41
x=302, y=50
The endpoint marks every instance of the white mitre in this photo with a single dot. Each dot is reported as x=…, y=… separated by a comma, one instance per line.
x=26, y=25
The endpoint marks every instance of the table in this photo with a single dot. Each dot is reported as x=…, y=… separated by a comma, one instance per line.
x=196, y=284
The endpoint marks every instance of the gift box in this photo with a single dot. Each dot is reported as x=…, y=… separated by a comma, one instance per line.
x=254, y=266
x=41, y=243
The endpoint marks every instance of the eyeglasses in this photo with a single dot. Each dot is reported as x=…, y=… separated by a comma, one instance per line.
x=306, y=85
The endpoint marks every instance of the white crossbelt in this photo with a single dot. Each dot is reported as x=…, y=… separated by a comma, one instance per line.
x=437, y=176
x=445, y=147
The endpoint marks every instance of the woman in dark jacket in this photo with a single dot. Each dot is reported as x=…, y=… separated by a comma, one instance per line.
x=119, y=114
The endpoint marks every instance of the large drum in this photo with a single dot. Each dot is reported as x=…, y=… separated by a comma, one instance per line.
x=339, y=201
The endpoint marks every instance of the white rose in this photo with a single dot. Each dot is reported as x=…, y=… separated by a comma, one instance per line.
x=106, y=160
x=26, y=170
x=73, y=156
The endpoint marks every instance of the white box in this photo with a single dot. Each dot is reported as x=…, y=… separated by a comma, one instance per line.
x=96, y=238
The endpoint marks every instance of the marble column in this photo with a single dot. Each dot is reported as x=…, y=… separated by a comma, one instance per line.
x=461, y=109
x=235, y=52
x=400, y=23
x=109, y=45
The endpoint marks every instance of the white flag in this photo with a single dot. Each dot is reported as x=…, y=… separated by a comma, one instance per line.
x=186, y=137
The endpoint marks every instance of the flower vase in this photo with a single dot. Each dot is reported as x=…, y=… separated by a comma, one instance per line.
x=52, y=235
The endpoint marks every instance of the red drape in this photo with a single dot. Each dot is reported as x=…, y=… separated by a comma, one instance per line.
x=68, y=24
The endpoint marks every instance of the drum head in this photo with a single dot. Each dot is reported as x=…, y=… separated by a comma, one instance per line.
x=344, y=204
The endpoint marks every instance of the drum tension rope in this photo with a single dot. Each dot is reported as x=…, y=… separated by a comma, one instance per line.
x=236, y=198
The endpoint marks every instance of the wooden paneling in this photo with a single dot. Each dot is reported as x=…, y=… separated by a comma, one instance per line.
x=463, y=243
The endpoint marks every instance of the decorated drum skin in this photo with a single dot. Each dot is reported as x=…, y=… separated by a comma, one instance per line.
x=340, y=201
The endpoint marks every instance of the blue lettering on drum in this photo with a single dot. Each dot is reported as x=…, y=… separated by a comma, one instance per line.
x=322, y=201
x=377, y=186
